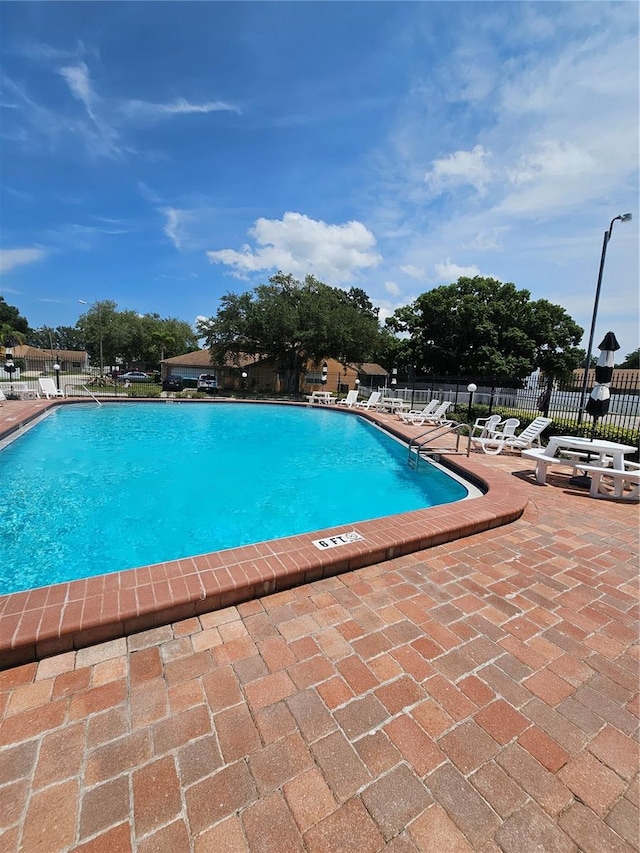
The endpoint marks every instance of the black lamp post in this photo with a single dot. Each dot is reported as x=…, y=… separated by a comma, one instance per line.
x=394, y=378
x=471, y=388
x=623, y=217
x=9, y=366
x=244, y=380
x=56, y=367
x=325, y=372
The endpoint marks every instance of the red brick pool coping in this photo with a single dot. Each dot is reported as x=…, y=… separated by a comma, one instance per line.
x=59, y=618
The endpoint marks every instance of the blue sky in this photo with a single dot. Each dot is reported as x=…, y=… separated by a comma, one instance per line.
x=161, y=154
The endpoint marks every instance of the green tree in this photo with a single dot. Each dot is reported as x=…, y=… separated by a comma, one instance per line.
x=60, y=337
x=486, y=327
x=632, y=360
x=556, y=337
x=164, y=338
x=14, y=328
x=135, y=340
x=290, y=321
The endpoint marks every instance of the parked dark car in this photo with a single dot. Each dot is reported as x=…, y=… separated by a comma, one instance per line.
x=172, y=383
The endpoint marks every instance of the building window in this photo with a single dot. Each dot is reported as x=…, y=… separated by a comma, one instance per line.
x=314, y=377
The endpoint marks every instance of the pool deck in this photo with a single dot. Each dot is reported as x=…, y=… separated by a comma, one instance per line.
x=478, y=695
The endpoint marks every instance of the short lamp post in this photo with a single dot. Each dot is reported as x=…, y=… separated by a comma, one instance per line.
x=325, y=373
x=394, y=379
x=623, y=217
x=357, y=384
x=244, y=380
x=471, y=388
x=56, y=368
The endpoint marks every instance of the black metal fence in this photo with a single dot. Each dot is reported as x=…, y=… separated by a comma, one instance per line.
x=525, y=400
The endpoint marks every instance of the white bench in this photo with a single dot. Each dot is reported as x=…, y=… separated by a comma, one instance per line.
x=544, y=460
x=629, y=477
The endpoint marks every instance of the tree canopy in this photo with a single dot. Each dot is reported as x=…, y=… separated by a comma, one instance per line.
x=486, y=327
x=290, y=321
x=133, y=338
x=127, y=336
x=13, y=326
x=632, y=359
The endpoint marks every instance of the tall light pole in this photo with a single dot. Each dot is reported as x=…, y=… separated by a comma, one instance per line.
x=99, y=306
x=623, y=217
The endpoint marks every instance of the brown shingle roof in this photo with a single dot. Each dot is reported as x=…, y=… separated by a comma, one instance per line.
x=33, y=352
x=202, y=358
x=371, y=369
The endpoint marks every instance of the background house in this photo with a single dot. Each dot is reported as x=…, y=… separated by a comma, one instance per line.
x=42, y=361
x=263, y=375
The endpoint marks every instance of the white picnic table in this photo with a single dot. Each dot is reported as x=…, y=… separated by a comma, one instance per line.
x=571, y=451
x=394, y=404
x=323, y=398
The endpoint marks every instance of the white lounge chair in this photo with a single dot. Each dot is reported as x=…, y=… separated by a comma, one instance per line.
x=2, y=397
x=529, y=437
x=48, y=388
x=350, y=400
x=436, y=418
x=427, y=410
x=372, y=402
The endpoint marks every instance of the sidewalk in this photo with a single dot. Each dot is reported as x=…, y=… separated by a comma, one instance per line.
x=478, y=696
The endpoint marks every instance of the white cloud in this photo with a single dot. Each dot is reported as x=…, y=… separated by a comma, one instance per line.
x=460, y=168
x=392, y=288
x=414, y=272
x=452, y=272
x=104, y=121
x=172, y=226
x=487, y=240
x=77, y=78
x=299, y=245
x=10, y=258
x=147, y=110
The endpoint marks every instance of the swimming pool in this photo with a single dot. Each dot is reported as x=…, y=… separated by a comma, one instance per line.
x=95, y=490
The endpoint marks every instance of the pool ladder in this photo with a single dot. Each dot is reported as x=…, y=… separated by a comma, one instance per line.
x=421, y=447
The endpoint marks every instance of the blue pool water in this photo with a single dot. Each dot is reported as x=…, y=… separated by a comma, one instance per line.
x=93, y=490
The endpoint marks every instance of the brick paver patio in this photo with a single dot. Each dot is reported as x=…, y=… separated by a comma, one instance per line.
x=481, y=695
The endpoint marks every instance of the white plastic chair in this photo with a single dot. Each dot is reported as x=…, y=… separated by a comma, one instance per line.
x=485, y=426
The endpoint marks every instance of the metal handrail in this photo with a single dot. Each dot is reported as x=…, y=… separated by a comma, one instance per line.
x=92, y=395
x=416, y=447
